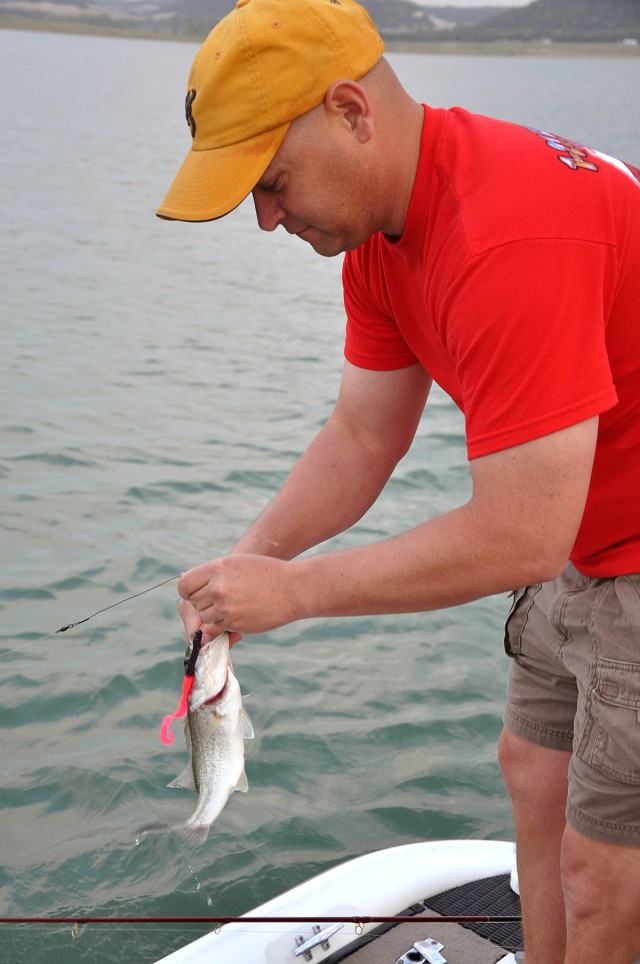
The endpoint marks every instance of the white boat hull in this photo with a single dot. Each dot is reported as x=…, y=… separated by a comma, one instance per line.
x=382, y=883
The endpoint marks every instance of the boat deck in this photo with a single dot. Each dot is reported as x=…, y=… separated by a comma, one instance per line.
x=463, y=944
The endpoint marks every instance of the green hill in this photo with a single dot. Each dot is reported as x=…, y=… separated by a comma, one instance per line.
x=560, y=20
x=566, y=21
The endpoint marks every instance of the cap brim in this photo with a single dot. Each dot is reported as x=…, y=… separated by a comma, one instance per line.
x=211, y=183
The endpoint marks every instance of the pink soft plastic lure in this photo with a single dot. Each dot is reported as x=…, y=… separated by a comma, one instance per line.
x=166, y=736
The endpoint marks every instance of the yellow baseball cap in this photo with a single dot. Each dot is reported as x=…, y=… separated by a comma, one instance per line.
x=266, y=63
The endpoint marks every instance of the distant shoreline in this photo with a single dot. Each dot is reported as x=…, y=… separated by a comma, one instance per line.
x=496, y=48
x=517, y=48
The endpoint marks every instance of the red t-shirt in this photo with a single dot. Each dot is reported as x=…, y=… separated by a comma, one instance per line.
x=516, y=284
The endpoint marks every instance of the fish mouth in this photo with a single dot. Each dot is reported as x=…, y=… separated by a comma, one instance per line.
x=219, y=695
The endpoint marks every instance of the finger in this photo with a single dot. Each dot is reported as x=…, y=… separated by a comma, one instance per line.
x=207, y=636
x=183, y=585
x=217, y=626
x=190, y=618
x=210, y=632
x=190, y=582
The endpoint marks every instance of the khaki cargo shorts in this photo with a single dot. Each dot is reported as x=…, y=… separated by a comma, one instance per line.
x=574, y=684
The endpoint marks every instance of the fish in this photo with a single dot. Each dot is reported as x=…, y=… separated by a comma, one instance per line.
x=215, y=728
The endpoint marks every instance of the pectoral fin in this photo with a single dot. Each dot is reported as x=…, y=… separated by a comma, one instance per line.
x=185, y=780
x=243, y=784
x=246, y=725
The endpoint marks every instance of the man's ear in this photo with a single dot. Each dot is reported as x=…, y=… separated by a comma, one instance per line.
x=347, y=99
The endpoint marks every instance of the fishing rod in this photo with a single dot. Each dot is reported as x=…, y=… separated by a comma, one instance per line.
x=358, y=920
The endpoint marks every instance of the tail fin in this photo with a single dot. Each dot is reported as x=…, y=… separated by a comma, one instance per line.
x=194, y=833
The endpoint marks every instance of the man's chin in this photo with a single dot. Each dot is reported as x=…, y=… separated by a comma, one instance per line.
x=323, y=244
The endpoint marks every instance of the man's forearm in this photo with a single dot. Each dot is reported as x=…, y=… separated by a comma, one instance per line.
x=444, y=562
x=518, y=528
x=330, y=488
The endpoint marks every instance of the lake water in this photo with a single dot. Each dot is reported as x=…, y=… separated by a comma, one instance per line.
x=158, y=380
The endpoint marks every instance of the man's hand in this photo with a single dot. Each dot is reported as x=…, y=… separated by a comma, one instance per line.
x=238, y=594
x=192, y=623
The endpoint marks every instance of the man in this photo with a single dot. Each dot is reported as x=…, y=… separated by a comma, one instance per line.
x=503, y=263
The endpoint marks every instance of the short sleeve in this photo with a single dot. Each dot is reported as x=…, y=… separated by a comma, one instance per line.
x=373, y=338
x=525, y=325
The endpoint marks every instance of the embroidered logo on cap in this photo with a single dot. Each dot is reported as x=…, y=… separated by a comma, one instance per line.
x=191, y=96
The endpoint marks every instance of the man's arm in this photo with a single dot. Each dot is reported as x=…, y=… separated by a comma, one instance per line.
x=343, y=471
x=518, y=527
x=337, y=478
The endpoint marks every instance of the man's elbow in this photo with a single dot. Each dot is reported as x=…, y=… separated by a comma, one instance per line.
x=542, y=563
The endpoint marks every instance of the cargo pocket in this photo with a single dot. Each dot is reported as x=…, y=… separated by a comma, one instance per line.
x=615, y=708
x=628, y=596
x=517, y=620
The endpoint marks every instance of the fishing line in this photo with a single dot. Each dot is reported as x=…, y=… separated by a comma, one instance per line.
x=63, y=629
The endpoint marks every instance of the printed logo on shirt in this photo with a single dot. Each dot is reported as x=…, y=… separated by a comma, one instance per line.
x=575, y=156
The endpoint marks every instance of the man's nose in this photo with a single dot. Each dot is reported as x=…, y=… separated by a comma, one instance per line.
x=268, y=210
